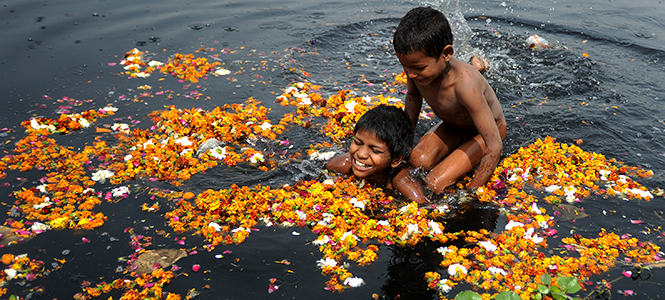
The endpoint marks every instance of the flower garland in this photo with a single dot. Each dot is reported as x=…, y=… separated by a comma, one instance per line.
x=342, y=110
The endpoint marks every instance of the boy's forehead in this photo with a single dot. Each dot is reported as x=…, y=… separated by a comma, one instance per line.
x=368, y=133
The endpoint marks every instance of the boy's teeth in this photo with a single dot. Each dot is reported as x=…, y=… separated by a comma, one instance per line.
x=361, y=164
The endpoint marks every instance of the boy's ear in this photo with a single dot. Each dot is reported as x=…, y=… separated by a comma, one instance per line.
x=447, y=52
x=396, y=162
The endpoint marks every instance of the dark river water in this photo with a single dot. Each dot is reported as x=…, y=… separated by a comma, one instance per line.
x=601, y=82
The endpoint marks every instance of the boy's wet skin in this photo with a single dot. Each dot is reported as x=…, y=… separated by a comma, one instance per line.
x=473, y=126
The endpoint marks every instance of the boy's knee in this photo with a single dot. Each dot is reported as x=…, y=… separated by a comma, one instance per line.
x=421, y=161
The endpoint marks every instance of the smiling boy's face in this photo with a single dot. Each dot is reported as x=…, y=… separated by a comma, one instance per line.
x=425, y=69
x=370, y=157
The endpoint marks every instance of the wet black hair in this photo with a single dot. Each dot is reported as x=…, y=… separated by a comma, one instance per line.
x=423, y=29
x=390, y=124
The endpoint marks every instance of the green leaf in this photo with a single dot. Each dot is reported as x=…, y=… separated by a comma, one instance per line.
x=508, y=295
x=468, y=295
x=559, y=296
x=538, y=296
x=569, y=285
x=543, y=289
x=546, y=279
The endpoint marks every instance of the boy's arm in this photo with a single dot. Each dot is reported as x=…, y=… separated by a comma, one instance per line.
x=340, y=164
x=472, y=97
x=403, y=183
x=412, y=102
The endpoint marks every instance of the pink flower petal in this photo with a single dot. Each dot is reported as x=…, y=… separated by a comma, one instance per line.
x=627, y=273
x=636, y=221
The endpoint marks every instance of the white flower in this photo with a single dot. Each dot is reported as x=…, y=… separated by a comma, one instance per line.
x=444, y=250
x=435, y=227
x=291, y=89
x=357, y=203
x=393, y=99
x=569, y=192
x=84, y=123
x=266, y=126
x=454, y=268
x=488, y=245
x=552, y=188
x=101, y=175
x=154, y=63
x=218, y=152
x=39, y=226
x=183, y=141
x=443, y=286
x=215, y=225
x=383, y=223
x=321, y=240
x=42, y=188
x=350, y=105
x=128, y=157
x=604, y=174
x=35, y=125
x=495, y=270
x=511, y=224
x=354, y=281
x=326, y=262
x=121, y=127
x=110, y=108
x=47, y=202
x=301, y=215
x=316, y=155
x=11, y=273
x=641, y=193
x=256, y=158
x=221, y=72
x=535, y=209
x=329, y=181
x=119, y=191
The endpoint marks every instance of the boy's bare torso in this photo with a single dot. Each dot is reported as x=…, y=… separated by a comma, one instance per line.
x=442, y=96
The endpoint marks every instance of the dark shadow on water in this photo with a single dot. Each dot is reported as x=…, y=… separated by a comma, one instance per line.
x=408, y=265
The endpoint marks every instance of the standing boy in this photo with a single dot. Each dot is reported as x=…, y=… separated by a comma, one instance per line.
x=473, y=126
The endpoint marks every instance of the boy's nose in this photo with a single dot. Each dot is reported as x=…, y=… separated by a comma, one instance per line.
x=362, y=152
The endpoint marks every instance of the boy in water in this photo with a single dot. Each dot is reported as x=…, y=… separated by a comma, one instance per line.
x=473, y=126
x=382, y=141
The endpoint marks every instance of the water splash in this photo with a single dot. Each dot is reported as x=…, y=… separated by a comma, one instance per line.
x=462, y=33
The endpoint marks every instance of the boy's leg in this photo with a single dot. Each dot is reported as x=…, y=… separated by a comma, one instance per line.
x=459, y=162
x=434, y=146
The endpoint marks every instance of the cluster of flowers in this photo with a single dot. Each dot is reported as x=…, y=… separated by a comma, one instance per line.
x=136, y=66
x=65, y=198
x=513, y=260
x=568, y=172
x=188, y=67
x=143, y=286
x=184, y=66
x=67, y=122
x=336, y=210
x=342, y=110
x=19, y=266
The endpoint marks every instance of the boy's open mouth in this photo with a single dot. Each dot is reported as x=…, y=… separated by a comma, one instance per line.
x=360, y=165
